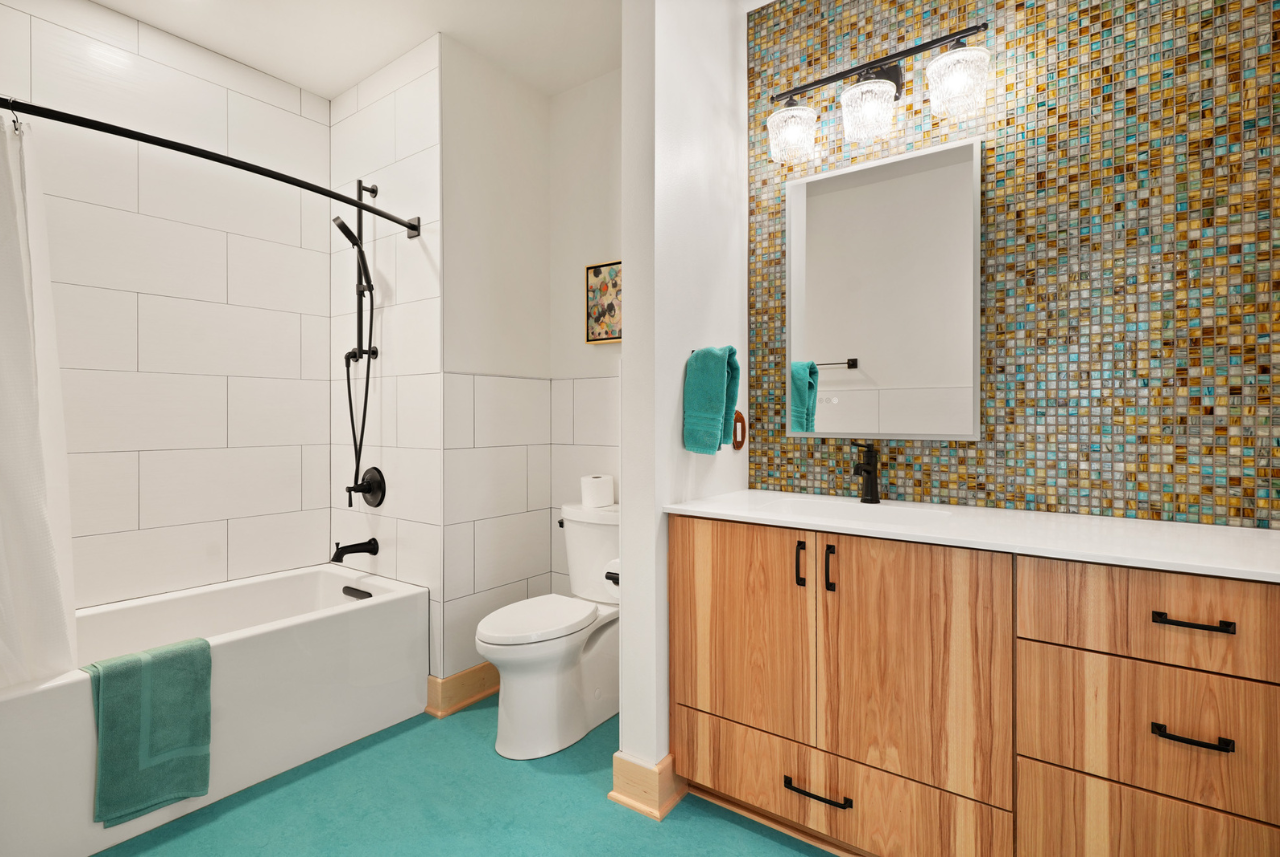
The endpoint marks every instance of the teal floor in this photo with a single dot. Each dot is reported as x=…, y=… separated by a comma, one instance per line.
x=428, y=787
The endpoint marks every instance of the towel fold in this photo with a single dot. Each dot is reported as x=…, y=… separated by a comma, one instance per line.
x=152, y=709
x=710, y=399
x=804, y=395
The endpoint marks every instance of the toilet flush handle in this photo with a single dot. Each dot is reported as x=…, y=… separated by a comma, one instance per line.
x=611, y=570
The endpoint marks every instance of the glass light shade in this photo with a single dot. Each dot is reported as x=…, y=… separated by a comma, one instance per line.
x=958, y=82
x=867, y=108
x=792, y=131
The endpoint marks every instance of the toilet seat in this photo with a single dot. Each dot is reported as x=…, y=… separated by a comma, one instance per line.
x=547, y=617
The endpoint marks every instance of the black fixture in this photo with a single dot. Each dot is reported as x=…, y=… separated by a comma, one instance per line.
x=1223, y=627
x=371, y=485
x=885, y=68
x=792, y=787
x=1223, y=745
x=826, y=568
x=613, y=577
x=868, y=468
x=341, y=552
x=413, y=224
x=851, y=363
x=800, y=581
x=357, y=594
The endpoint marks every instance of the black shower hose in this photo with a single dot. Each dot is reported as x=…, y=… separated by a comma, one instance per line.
x=357, y=442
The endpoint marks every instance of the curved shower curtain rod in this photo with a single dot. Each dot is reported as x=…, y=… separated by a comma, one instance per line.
x=413, y=224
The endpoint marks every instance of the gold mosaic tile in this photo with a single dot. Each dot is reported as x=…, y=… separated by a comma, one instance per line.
x=1127, y=253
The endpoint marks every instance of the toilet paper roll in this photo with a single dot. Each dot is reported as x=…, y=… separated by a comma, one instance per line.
x=597, y=491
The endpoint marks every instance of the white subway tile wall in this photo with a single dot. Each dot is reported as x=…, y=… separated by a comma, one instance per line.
x=192, y=303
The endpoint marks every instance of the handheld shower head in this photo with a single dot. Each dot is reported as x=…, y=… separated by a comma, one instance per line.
x=367, y=282
x=346, y=231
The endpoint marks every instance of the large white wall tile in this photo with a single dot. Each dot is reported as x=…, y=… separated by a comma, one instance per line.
x=277, y=139
x=414, y=484
x=178, y=187
x=362, y=144
x=186, y=486
x=97, y=328
x=89, y=19
x=350, y=527
x=597, y=411
x=380, y=424
x=277, y=542
x=87, y=165
x=570, y=463
x=418, y=115
x=81, y=75
x=315, y=348
x=418, y=265
x=197, y=338
x=562, y=411
x=215, y=68
x=459, y=411
x=276, y=276
x=116, y=411
x=412, y=338
x=539, y=477
x=420, y=555
x=315, y=477
x=119, y=566
x=399, y=72
x=409, y=188
x=462, y=615
x=512, y=548
x=15, y=54
x=560, y=584
x=104, y=492
x=512, y=411
x=272, y=412
x=485, y=483
x=419, y=411
x=316, y=222
x=90, y=245
x=315, y=108
x=540, y=585
x=459, y=561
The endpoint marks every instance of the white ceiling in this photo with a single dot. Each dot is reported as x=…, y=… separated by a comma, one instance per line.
x=327, y=46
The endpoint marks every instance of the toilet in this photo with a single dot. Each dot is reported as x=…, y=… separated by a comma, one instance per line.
x=557, y=656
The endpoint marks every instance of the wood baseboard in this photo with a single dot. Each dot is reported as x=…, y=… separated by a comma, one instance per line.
x=450, y=695
x=649, y=791
x=769, y=821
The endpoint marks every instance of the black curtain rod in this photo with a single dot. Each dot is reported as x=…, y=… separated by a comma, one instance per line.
x=939, y=42
x=413, y=224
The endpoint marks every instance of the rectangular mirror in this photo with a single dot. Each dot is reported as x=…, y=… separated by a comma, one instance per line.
x=883, y=297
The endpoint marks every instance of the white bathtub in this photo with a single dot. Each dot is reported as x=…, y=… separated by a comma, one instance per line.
x=299, y=669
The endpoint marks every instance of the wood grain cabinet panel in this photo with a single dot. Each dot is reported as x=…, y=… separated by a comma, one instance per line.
x=1062, y=813
x=886, y=815
x=1110, y=609
x=915, y=662
x=1094, y=713
x=742, y=628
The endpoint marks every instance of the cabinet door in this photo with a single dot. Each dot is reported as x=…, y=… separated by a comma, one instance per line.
x=915, y=662
x=742, y=623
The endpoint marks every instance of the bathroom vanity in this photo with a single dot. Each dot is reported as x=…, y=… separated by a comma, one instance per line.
x=910, y=679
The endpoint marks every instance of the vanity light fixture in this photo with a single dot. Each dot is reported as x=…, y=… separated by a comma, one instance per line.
x=957, y=82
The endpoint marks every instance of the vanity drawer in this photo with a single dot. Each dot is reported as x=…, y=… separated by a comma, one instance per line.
x=878, y=813
x=1132, y=612
x=1065, y=814
x=1100, y=714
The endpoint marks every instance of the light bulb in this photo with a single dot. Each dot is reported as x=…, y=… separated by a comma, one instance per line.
x=958, y=82
x=792, y=131
x=867, y=108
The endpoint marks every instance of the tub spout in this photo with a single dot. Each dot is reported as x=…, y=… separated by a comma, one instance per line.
x=342, y=551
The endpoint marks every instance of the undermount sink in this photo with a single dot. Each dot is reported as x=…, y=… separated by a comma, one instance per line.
x=880, y=514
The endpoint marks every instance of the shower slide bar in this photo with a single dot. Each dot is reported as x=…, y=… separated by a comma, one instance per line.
x=413, y=224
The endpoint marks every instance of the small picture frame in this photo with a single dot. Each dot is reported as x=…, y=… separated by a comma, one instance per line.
x=604, y=303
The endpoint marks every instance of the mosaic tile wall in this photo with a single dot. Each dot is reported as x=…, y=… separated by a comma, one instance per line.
x=1127, y=246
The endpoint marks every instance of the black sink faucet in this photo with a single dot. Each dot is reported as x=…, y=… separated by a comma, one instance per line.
x=342, y=551
x=868, y=468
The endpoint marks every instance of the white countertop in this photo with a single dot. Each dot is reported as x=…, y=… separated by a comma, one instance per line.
x=1249, y=554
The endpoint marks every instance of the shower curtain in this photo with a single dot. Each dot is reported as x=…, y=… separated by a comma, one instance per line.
x=37, y=622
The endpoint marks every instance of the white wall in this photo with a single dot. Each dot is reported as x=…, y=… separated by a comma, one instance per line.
x=190, y=301
x=685, y=249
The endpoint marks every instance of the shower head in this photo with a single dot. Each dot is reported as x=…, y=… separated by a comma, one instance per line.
x=346, y=231
x=367, y=282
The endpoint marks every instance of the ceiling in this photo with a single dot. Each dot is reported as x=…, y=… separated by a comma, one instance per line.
x=327, y=46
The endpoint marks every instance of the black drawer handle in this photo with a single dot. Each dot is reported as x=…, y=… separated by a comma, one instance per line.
x=1223, y=627
x=826, y=562
x=786, y=781
x=1224, y=745
x=799, y=550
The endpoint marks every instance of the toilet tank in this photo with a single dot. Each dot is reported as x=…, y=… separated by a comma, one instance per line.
x=591, y=541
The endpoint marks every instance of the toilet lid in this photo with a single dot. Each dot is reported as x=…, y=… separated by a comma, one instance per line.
x=543, y=618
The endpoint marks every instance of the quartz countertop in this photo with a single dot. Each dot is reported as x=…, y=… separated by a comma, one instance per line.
x=1245, y=553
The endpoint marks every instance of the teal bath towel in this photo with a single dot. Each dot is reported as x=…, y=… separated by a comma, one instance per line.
x=152, y=710
x=804, y=395
x=710, y=399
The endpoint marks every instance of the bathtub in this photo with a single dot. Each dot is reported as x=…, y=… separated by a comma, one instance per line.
x=299, y=669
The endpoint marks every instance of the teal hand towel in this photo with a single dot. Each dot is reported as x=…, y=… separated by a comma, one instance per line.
x=153, y=713
x=804, y=395
x=710, y=398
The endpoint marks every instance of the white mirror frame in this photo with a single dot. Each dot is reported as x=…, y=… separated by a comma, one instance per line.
x=796, y=208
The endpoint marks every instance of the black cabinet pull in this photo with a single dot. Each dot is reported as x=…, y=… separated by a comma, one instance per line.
x=1223, y=627
x=826, y=562
x=800, y=581
x=1224, y=745
x=786, y=782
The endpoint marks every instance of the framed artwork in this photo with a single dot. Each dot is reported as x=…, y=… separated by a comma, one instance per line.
x=604, y=303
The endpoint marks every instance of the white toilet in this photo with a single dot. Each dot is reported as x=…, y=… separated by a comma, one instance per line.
x=558, y=656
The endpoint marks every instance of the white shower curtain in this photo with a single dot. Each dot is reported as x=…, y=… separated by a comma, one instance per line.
x=37, y=620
